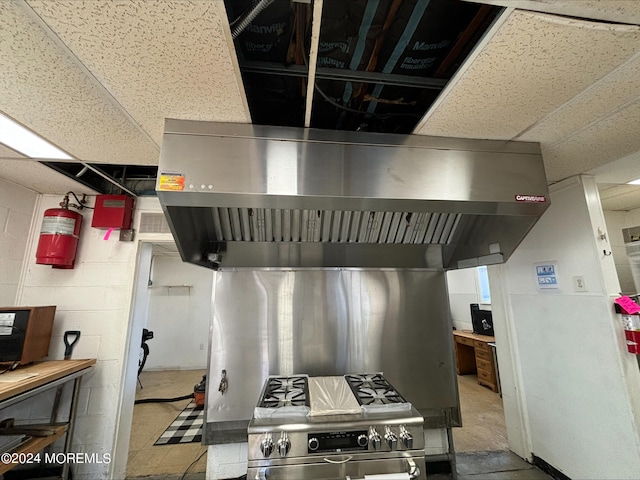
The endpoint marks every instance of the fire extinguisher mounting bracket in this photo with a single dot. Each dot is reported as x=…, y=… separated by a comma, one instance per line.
x=127, y=235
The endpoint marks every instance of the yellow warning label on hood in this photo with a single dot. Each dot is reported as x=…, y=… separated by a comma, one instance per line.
x=171, y=181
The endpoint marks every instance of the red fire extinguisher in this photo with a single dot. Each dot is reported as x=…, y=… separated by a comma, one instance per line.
x=59, y=236
x=630, y=312
x=632, y=332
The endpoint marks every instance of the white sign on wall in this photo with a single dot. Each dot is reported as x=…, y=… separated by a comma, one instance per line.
x=547, y=275
x=6, y=323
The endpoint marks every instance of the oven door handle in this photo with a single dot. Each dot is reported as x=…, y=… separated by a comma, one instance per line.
x=413, y=470
x=328, y=460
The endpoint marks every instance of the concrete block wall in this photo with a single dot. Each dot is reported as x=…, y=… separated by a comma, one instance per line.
x=17, y=205
x=94, y=298
x=16, y=214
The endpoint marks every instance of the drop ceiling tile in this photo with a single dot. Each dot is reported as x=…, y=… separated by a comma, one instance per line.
x=603, y=142
x=160, y=59
x=35, y=176
x=620, y=171
x=619, y=197
x=625, y=11
x=44, y=88
x=606, y=96
x=6, y=152
x=532, y=65
x=610, y=190
x=620, y=11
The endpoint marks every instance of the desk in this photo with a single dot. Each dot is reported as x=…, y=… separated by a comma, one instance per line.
x=18, y=385
x=474, y=355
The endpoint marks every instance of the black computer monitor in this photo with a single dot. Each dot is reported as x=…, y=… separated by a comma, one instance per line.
x=482, y=321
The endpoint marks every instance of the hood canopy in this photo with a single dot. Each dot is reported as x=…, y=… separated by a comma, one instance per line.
x=238, y=195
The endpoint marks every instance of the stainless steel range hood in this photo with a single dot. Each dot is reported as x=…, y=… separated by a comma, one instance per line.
x=238, y=195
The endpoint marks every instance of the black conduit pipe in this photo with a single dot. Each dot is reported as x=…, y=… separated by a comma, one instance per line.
x=163, y=400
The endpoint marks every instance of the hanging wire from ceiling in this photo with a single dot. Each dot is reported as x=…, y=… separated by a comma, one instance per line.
x=363, y=112
x=354, y=110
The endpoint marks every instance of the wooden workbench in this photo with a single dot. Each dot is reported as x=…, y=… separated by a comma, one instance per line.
x=13, y=383
x=29, y=380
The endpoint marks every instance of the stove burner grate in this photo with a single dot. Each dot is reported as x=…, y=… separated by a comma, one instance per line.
x=374, y=389
x=285, y=392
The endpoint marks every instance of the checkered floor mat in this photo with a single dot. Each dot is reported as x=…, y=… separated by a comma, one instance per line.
x=186, y=428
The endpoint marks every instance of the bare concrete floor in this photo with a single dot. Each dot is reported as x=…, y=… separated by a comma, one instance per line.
x=482, y=449
x=483, y=427
x=151, y=419
x=492, y=465
x=481, y=444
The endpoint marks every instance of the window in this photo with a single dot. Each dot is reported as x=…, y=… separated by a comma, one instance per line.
x=483, y=282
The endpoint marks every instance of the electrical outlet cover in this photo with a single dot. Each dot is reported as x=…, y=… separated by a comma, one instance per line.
x=579, y=284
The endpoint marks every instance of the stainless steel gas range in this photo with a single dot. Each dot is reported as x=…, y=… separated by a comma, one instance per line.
x=345, y=427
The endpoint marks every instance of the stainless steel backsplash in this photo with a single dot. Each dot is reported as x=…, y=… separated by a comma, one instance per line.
x=329, y=322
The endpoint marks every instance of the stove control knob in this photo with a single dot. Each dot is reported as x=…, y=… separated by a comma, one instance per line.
x=284, y=445
x=391, y=438
x=374, y=439
x=363, y=440
x=406, y=437
x=313, y=444
x=266, y=446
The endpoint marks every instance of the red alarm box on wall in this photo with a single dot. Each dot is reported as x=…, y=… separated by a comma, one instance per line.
x=113, y=211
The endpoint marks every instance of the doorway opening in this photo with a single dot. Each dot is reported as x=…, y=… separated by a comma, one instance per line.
x=176, y=306
x=481, y=407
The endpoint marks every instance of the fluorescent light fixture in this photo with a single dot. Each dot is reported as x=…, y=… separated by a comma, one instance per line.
x=23, y=140
x=634, y=182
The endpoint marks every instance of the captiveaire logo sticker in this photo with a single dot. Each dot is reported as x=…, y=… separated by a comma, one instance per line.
x=531, y=198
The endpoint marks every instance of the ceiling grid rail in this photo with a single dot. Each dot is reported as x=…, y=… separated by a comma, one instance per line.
x=313, y=58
